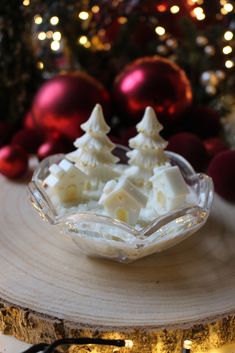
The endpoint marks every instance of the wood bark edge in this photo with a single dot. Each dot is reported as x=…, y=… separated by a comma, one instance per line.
x=33, y=327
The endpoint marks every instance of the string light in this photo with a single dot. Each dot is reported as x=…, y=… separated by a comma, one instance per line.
x=37, y=19
x=198, y=13
x=55, y=45
x=54, y=20
x=227, y=50
x=174, y=9
x=229, y=64
x=122, y=20
x=95, y=9
x=228, y=35
x=56, y=36
x=228, y=7
x=160, y=30
x=83, y=40
x=49, y=34
x=40, y=65
x=42, y=36
x=26, y=2
x=83, y=15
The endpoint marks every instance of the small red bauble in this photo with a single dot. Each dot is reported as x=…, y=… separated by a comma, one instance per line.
x=29, y=139
x=190, y=147
x=66, y=101
x=156, y=82
x=222, y=171
x=13, y=161
x=50, y=147
x=213, y=146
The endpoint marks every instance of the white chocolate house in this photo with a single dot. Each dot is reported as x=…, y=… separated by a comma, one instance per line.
x=170, y=191
x=65, y=182
x=122, y=200
x=147, y=149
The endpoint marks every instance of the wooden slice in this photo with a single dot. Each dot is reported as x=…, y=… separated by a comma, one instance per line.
x=49, y=289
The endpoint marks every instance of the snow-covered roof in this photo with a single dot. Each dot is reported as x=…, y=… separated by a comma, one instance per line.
x=62, y=170
x=171, y=178
x=113, y=188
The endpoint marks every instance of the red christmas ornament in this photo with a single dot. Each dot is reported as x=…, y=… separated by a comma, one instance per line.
x=50, y=147
x=153, y=81
x=13, y=161
x=29, y=139
x=222, y=171
x=28, y=122
x=202, y=121
x=190, y=147
x=66, y=101
x=213, y=146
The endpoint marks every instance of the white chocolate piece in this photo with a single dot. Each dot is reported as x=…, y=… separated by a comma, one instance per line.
x=170, y=191
x=122, y=200
x=94, y=149
x=147, y=149
x=96, y=122
x=65, y=182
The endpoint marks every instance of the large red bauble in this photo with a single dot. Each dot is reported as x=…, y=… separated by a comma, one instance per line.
x=222, y=171
x=153, y=81
x=13, y=161
x=52, y=146
x=190, y=147
x=214, y=145
x=28, y=139
x=66, y=101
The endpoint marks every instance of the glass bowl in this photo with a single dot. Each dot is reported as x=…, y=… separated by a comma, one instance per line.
x=102, y=236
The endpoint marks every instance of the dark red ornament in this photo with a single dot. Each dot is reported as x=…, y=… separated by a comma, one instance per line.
x=190, y=147
x=202, y=121
x=222, y=171
x=29, y=139
x=52, y=146
x=153, y=81
x=66, y=101
x=13, y=161
x=214, y=145
x=6, y=132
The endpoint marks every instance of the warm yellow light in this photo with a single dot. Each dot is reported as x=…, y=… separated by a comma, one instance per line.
x=42, y=36
x=40, y=65
x=228, y=7
x=83, y=40
x=201, y=17
x=107, y=46
x=95, y=9
x=54, y=20
x=83, y=15
x=198, y=10
x=87, y=44
x=160, y=30
x=37, y=19
x=223, y=11
x=223, y=2
x=49, y=34
x=174, y=9
x=187, y=344
x=122, y=20
x=229, y=64
x=26, y=2
x=55, y=45
x=228, y=35
x=227, y=50
x=56, y=36
x=129, y=343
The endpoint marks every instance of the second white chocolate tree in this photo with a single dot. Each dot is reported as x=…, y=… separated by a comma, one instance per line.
x=94, y=149
x=147, y=149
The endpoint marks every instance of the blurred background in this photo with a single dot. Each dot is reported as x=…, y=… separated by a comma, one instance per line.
x=59, y=58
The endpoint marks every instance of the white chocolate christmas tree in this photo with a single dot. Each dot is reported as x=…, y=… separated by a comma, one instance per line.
x=148, y=149
x=94, y=149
